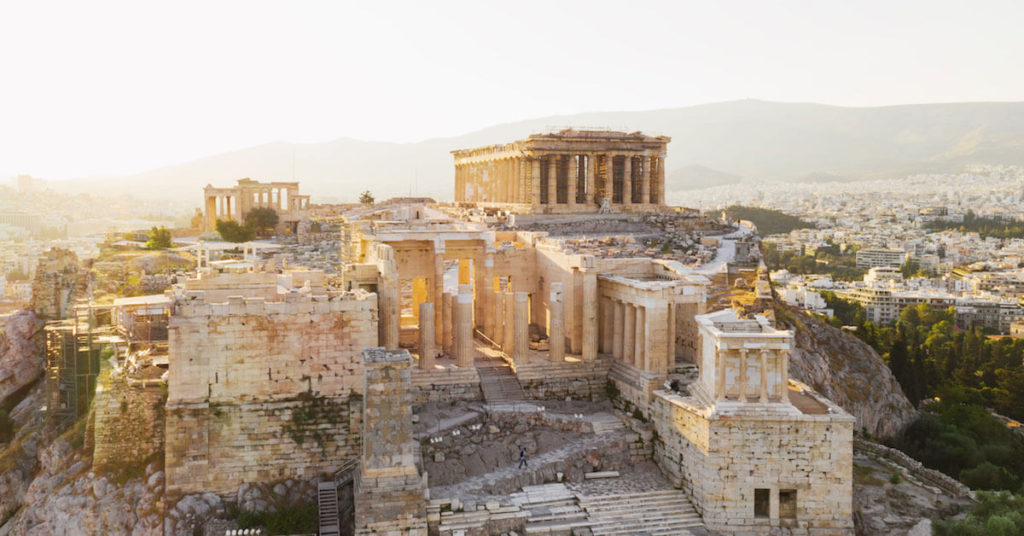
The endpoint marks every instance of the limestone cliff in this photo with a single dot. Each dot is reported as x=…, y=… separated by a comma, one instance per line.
x=848, y=372
x=21, y=360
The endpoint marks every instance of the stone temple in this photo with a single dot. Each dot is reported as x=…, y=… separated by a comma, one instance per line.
x=558, y=282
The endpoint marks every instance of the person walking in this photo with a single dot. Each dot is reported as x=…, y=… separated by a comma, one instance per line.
x=522, y=457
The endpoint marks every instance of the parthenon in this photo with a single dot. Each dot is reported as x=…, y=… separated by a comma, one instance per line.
x=566, y=171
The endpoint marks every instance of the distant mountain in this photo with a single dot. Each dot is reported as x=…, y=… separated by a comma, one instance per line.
x=711, y=144
x=696, y=177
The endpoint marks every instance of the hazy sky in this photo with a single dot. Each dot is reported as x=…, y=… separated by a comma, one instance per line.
x=103, y=87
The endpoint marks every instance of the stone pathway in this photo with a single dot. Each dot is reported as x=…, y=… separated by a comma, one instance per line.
x=539, y=470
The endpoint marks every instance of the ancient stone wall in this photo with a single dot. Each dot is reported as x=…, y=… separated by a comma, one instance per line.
x=129, y=423
x=447, y=385
x=721, y=461
x=264, y=391
x=584, y=380
x=217, y=447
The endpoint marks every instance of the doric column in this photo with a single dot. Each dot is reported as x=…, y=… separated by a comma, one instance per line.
x=448, y=321
x=464, y=329
x=591, y=180
x=629, y=334
x=645, y=180
x=499, y=313
x=607, y=325
x=671, y=337
x=516, y=179
x=553, y=179
x=640, y=358
x=486, y=294
x=388, y=314
x=438, y=295
x=660, y=179
x=590, y=308
x=427, y=347
x=609, y=176
x=535, y=181
x=556, y=331
x=618, y=329
x=572, y=178
x=627, y=179
x=521, y=327
x=508, y=345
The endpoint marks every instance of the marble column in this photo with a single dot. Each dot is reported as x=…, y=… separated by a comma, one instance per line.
x=535, y=181
x=521, y=328
x=660, y=180
x=743, y=376
x=553, y=179
x=763, y=354
x=645, y=180
x=464, y=329
x=556, y=332
x=639, y=355
x=629, y=334
x=388, y=313
x=609, y=176
x=607, y=325
x=590, y=309
x=509, y=300
x=427, y=347
x=572, y=179
x=590, y=180
x=499, y=313
x=618, y=328
x=486, y=296
x=438, y=295
x=448, y=322
x=627, y=180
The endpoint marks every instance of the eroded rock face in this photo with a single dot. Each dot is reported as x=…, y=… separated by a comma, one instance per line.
x=21, y=361
x=67, y=498
x=848, y=372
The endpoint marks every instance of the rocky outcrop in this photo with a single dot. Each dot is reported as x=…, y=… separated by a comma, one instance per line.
x=66, y=497
x=847, y=371
x=21, y=359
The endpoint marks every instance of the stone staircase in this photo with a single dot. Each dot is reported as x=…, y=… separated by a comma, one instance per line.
x=327, y=500
x=650, y=513
x=604, y=423
x=552, y=509
x=497, y=381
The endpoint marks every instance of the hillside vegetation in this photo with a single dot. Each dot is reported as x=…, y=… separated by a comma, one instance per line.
x=768, y=221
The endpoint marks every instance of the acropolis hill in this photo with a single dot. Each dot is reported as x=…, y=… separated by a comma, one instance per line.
x=384, y=366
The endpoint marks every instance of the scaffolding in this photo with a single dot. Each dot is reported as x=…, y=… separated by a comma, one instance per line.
x=73, y=348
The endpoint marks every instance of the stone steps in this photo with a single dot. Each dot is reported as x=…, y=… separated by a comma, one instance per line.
x=651, y=513
x=498, y=382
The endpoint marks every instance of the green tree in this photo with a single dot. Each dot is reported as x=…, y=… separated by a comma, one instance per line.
x=366, y=198
x=909, y=268
x=232, y=231
x=261, y=220
x=159, y=238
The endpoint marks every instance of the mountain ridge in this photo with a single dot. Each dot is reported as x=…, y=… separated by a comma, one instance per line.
x=745, y=139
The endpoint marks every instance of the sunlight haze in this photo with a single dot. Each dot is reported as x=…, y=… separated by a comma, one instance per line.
x=107, y=88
